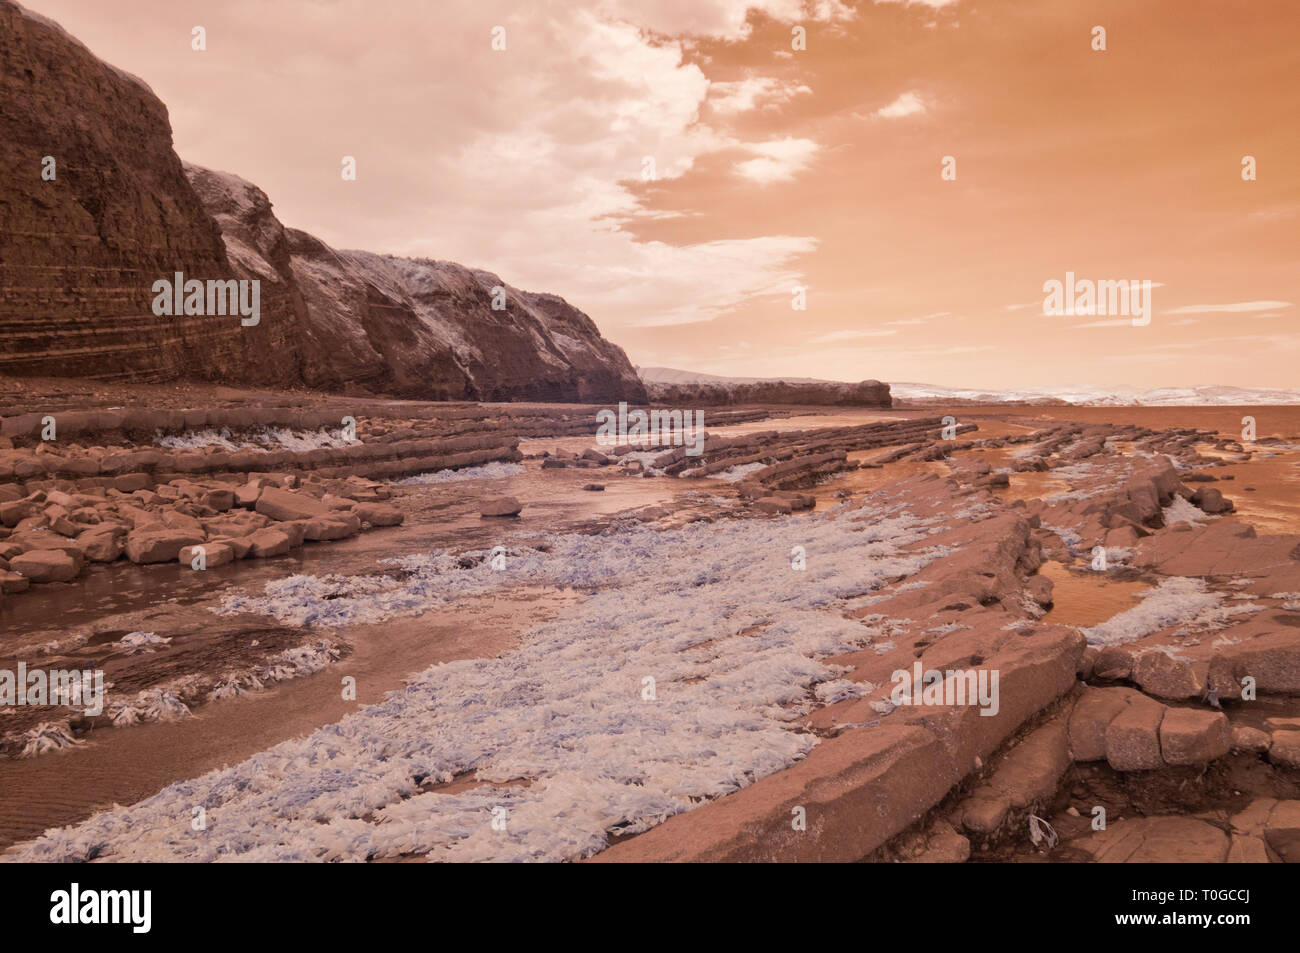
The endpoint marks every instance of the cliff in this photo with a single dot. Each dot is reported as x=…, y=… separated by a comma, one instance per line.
x=81, y=250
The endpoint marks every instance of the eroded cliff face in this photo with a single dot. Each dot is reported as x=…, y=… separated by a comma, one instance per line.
x=410, y=327
x=81, y=250
x=86, y=233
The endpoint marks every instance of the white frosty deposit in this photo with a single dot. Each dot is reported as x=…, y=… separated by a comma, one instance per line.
x=737, y=473
x=713, y=613
x=1181, y=511
x=269, y=438
x=1178, y=600
x=489, y=471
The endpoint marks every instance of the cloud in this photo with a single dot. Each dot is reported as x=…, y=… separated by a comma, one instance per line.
x=908, y=104
x=752, y=92
x=662, y=284
x=848, y=336
x=779, y=160
x=720, y=19
x=922, y=320
x=933, y=4
x=1240, y=307
x=525, y=162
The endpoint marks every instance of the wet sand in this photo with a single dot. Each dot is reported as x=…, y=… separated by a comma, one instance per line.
x=125, y=765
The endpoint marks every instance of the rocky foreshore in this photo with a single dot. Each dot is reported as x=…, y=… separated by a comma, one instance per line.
x=973, y=544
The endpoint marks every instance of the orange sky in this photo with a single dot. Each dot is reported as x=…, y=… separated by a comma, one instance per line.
x=778, y=168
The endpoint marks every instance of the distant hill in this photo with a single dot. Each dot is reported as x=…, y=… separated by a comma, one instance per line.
x=668, y=386
x=906, y=393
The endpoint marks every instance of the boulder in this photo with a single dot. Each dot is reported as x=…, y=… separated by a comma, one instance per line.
x=102, y=543
x=1284, y=749
x=296, y=530
x=1210, y=500
x=214, y=554
x=269, y=542
x=381, y=514
x=219, y=500
x=130, y=482
x=239, y=545
x=500, y=506
x=246, y=495
x=13, y=513
x=1040, y=590
x=1167, y=677
x=1133, y=736
x=1194, y=736
x=1091, y=716
x=1113, y=662
x=281, y=504
x=1144, y=840
x=343, y=526
x=158, y=544
x=1245, y=738
x=46, y=565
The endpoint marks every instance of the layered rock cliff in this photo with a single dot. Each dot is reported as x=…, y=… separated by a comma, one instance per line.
x=86, y=232
x=80, y=251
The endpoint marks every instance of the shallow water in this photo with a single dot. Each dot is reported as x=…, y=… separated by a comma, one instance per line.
x=1084, y=597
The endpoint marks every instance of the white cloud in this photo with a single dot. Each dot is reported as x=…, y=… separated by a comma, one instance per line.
x=779, y=160
x=933, y=4
x=1240, y=307
x=922, y=320
x=719, y=19
x=848, y=336
x=523, y=162
x=663, y=285
x=753, y=91
x=908, y=104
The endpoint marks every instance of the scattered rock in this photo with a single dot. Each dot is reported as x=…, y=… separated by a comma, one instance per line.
x=1167, y=677
x=1285, y=748
x=214, y=554
x=1211, y=500
x=268, y=542
x=378, y=514
x=1040, y=590
x=1245, y=738
x=46, y=565
x=1194, y=736
x=1157, y=840
x=500, y=506
x=158, y=545
x=281, y=504
x=1133, y=736
x=103, y=543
